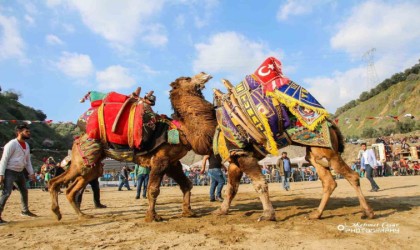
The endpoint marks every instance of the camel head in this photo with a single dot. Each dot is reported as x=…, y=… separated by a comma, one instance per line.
x=192, y=84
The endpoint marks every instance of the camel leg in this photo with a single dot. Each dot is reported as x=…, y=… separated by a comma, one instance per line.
x=328, y=184
x=249, y=165
x=80, y=183
x=153, y=190
x=54, y=188
x=234, y=178
x=352, y=177
x=176, y=173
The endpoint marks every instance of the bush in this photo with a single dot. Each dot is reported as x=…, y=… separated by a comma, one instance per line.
x=413, y=77
x=370, y=133
x=40, y=115
x=13, y=95
x=406, y=126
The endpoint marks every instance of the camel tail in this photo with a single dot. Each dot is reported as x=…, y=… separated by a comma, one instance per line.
x=340, y=137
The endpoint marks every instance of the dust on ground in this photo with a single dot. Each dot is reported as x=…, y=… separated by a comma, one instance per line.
x=122, y=226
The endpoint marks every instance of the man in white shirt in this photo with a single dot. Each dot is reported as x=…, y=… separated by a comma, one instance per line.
x=368, y=162
x=16, y=157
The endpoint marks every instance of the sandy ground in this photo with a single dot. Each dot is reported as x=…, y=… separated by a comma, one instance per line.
x=122, y=226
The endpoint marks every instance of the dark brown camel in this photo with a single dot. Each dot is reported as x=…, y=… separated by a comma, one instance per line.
x=164, y=160
x=247, y=162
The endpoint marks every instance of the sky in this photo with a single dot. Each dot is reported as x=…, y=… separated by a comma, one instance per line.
x=53, y=52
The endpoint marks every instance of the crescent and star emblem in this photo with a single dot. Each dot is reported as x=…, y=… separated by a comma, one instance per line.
x=261, y=73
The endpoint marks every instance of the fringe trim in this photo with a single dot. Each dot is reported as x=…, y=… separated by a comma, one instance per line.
x=222, y=148
x=271, y=145
x=290, y=102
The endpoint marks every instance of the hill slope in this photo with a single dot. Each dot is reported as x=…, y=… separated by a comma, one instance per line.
x=372, y=116
x=47, y=140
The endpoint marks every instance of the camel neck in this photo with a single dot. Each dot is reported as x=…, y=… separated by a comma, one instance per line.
x=198, y=120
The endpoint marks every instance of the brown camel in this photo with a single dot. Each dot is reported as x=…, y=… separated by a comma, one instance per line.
x=163, y=160
x=247, y=162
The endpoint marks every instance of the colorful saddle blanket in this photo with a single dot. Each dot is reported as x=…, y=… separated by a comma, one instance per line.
x=268, y=105
x=136, y=123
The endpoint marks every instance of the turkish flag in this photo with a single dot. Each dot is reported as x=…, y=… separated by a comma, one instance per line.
x=270, y=76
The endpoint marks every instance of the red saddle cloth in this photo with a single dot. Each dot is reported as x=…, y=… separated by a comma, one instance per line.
x=113, y=102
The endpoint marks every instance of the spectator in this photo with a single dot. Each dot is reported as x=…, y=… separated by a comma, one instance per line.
x=216, y=175
x=379, y=168
x=142, y=174
x=403, y=167
x=123, y=178
x=47, y=178
x=94, y=184
x=395, y=168
x=284, y=166
x=133, y=177
x=369, y=162
x=410, y=168
x=416, y=168
x=386, y=169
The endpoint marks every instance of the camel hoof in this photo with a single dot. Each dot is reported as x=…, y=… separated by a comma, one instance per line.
x=267, y=216
x=315, y=215
x=85, y=216
x=56, y=213
x=188, y=213
x=152, y=217
x=219, y=212
x=368, y=214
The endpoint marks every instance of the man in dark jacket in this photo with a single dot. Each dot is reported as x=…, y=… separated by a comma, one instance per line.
x=284, y=167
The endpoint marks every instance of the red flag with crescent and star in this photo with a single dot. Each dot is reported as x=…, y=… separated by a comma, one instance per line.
x=270, y=76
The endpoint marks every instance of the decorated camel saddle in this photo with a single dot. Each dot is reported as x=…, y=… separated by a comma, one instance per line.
x=268, y=111
x=124, y=122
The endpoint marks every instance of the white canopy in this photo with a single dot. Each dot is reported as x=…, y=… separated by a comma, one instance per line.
x=185, y=166
x=272, y=160
x=199, y=163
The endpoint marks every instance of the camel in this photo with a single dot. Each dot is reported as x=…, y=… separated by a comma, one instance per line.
x=247, y=161
x=163, y=160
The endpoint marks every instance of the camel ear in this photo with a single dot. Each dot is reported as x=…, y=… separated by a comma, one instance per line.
x=175, y=84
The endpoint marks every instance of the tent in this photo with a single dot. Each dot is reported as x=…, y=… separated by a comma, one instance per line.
x=272, y=160
x=185, y=167
x=199, y=163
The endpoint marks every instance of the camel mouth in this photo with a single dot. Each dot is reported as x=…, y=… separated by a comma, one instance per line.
x=202, y=79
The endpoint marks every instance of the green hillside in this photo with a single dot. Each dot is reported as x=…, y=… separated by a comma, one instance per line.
x=47, y=140
x=371, y=118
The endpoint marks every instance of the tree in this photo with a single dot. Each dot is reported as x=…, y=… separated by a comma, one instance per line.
x=13, y=95
x=364, y=96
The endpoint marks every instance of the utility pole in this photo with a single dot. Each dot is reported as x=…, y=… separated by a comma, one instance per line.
x=372, y=77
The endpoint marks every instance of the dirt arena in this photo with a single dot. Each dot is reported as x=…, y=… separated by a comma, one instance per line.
x=122, y=226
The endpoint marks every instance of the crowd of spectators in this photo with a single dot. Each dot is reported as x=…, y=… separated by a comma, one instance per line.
x=395, y=146
x=48, y=170
x=402, y=167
